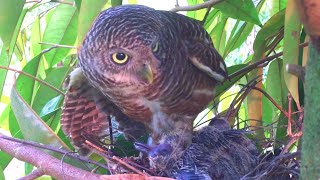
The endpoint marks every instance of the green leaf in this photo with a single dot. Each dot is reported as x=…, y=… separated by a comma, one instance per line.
x=240, y=34
x=4, y=61
x=15, y=33
x=115, y=3
x=291, y=46
x=269, y=30
x=278, y=5
x=239, y=9
x=14, y=125
x=35, y=38
x=275, y=84
x=218, y=34
x=55, y=77
x=27, y=168
x=1, y=172
x=24, y=84
x=29, y=121
x=78, y=4
x=88, y=12
x=4, y=118
x=51, y=106
x=61, y=29
x=5, y=159
x=9, y=12
x=210, y=19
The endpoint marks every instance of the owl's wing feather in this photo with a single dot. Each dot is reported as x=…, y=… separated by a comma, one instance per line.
x=86, y=114
x=81, y=118
x=206, y=58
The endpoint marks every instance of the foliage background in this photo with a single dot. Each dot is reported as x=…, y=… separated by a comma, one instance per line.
x=39, y=38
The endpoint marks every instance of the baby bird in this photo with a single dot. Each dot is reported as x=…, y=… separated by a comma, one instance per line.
x=215, y=153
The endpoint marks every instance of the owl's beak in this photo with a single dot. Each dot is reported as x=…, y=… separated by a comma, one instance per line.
x=145, y=73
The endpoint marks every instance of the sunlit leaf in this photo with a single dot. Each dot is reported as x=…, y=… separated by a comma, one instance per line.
x=5, y=159
x=4, y=118
x=239, y=9
x=269, y=30
x=55, y=77
x=25, y=85
x=61, y=29
x=35, y=38
x=291, y=46
x=4, y=61
x=210, y=19
x=1, y=171
x=132, y=1
x=278, y=5
x=29, y=121
x=9, y=15
x=88, y=12
x=115, y=3
x=218, y=35
x=239, y=35
x=275, y=85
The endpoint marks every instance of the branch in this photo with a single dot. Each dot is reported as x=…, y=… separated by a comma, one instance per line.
x=33, y=175
x=58, y=45
x=196, y=7
x=34, y=78
x=52, y=166
x=260, y=62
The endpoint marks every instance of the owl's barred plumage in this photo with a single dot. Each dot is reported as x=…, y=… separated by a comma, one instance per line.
x=86, y=112
x=158, y=67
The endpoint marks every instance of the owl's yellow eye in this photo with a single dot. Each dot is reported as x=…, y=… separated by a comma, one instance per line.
x=119, y=58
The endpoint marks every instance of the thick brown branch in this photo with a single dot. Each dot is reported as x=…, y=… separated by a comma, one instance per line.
x=52, y=166
x=196, y=7
x=49, y=165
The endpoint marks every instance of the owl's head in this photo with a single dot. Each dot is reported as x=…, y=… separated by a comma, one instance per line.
x=122, y=46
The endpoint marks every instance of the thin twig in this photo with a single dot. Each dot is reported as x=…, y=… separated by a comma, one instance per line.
x=33, y=175
x=58, y=45
x=259, y=62
x=34, y=78
x=128, y=166
x=63, y=2
x=196, y=7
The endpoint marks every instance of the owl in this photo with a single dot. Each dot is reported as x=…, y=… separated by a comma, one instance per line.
x=158, y=68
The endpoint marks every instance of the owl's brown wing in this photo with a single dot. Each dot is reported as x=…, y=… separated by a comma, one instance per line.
x=81, y=118
x=205, y=57
x=86, y=115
